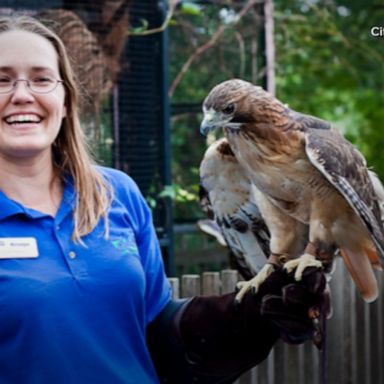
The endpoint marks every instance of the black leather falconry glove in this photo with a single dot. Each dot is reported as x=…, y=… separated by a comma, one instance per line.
x=214, y=340
x=295, y=307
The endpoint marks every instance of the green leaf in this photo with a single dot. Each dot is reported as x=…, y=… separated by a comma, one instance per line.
x=142, y=28
x=189, y=8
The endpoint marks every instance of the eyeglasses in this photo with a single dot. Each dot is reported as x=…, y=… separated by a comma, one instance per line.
x=41, y=84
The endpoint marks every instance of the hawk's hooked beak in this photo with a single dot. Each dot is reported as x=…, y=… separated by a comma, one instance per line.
x=209, y=123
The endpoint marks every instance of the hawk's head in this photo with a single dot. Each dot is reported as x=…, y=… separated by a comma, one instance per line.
x=228, y=105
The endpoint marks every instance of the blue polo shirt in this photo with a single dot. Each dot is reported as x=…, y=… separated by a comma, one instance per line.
x=78, y=314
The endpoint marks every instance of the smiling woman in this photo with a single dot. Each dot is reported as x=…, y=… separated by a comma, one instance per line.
x=30, y=120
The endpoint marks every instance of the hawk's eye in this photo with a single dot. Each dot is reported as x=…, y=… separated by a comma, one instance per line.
x=229, y=109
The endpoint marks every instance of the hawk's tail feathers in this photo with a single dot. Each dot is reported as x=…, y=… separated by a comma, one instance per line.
x=359, y=267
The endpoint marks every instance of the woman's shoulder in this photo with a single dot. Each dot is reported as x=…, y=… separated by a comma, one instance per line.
x=126, y=194
x=121, y=183
x=116, y=177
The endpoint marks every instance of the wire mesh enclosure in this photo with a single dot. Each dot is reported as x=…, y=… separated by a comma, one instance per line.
x=124, y=83
x=142, y=107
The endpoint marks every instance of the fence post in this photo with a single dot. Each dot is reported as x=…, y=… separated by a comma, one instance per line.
x=211, y=283
x=229, y=279
x=190, y=285
x=175, y=284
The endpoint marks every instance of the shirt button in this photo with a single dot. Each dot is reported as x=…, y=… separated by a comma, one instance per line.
x=72, y=255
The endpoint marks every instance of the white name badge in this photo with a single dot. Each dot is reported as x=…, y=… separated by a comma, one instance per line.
x=18, y=247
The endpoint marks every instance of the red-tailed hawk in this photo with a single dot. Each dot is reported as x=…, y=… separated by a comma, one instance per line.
x=308, y=175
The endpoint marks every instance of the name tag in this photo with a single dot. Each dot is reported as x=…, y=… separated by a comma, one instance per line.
x=18, y=248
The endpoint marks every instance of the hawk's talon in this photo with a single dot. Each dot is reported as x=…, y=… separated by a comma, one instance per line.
x=240, y=285
x=301, y=263
x=254, y=284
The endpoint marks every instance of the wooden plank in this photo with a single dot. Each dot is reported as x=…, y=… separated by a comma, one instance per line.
x=374, y=346
x=360, y=335
x=291, y=366
x=190, y=285
x=301, y=364
x=270, y=363
x=229, y=279
x=353, y=325
x=211, y=283
x=346, y=286
x=175, y=284
x=380, y=329
x=279, y=357
x=310, y=365
x=246, y=378
x=367, y=344
x=261, y=372
x=335, y=326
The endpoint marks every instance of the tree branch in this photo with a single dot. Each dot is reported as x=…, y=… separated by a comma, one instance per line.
x=209, y=44
x=269, y=46
x=163, y=27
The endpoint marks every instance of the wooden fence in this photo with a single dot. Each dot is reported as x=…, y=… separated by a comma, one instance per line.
x=355, y=337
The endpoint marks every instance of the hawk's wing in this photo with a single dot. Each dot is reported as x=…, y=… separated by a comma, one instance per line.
x=308, y=121
x=345, y=168
x=205, y=202
x=211, y=228
x=379, y=190
x=232, y=200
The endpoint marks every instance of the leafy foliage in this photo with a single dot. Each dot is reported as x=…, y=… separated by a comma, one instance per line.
x=329, y=65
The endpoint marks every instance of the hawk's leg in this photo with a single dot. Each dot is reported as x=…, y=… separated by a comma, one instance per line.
x=287, y=239
x=308, y=259
x=254, y=284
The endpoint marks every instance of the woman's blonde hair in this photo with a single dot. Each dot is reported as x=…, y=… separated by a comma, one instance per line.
x=93, y=194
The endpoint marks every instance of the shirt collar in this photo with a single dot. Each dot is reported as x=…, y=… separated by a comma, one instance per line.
x=9, y=207
x=68, y=201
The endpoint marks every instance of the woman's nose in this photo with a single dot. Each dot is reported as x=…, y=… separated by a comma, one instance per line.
x=21, y=92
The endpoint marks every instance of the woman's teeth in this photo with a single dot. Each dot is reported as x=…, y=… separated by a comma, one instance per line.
x=29, y=118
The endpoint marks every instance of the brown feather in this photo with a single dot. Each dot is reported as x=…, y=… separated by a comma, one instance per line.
x=373, y=257
x=361, y=272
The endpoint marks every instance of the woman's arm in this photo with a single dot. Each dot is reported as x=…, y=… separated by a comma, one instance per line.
x=214, y=340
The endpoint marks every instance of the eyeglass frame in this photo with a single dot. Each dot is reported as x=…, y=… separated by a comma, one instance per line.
x=28, y=82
